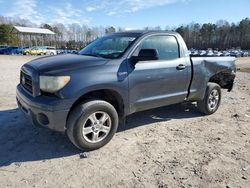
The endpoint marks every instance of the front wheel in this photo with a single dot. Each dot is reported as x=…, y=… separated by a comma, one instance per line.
x=92, y=124
x=212, y=99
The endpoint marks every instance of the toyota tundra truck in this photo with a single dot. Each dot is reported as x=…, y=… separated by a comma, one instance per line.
x=88, y=95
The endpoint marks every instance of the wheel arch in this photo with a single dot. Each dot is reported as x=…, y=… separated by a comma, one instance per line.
x=224, y=79
x=108, y=95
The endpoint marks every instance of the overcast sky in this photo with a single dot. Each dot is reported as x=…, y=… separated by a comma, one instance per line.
x=134, y=14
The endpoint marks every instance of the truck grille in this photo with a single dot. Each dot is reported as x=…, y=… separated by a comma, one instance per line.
x=26, y=82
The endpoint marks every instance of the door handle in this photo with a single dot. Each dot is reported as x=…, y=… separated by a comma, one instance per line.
x=181, y=67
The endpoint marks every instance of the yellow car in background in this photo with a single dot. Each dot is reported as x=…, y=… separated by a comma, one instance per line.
x=34, y=51
x=37, y=51
x=26, y=50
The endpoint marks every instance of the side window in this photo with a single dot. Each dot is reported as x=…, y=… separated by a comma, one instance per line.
x=166, y=46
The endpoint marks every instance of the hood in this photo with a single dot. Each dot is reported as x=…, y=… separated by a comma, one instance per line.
x=64, y=62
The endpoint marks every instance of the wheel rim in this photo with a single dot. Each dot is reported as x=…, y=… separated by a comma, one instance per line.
x=213, y=100
x=96, y=127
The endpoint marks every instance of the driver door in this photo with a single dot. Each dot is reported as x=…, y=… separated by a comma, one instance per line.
x=159, y=82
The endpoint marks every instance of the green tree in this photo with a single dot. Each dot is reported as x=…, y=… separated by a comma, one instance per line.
x=184, y=32
x=6, y=37
x=244, y=28
x=47, y=26
x=110, y=30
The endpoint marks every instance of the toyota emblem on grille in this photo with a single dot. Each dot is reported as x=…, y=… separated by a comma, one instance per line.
x=23, y=80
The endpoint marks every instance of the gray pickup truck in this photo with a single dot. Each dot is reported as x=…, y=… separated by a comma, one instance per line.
x=89, y=94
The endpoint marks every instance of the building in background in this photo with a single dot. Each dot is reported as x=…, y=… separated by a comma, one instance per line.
x=29, y=36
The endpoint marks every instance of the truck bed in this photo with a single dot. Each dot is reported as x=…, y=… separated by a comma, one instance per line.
x=216, y=69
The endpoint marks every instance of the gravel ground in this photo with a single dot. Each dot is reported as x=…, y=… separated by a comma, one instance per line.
x=173, y=146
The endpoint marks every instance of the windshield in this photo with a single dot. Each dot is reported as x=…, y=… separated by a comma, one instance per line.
x=112, y=46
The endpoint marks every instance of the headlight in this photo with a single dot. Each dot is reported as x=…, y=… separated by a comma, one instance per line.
x=52, y=84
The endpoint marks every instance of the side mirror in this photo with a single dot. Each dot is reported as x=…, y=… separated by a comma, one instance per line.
x=146, y=55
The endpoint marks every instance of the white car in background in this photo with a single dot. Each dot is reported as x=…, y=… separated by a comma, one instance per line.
x=244, y=54
x=218, y=53
x=202, y=52
x=209, y=52
x=50, y=50
x=225, y=53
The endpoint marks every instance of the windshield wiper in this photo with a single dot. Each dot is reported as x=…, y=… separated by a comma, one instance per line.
x=111, y=55
x=93, y=55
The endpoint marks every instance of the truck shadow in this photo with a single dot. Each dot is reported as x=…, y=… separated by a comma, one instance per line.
x=167, y=113
x=21, y=142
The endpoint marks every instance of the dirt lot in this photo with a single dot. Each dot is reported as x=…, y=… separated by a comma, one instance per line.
x=172, y=146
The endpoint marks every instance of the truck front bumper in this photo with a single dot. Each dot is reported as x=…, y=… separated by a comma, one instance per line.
x=49, y=112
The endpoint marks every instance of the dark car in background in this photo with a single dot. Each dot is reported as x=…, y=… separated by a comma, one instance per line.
x=3, y=49
x=11, y=50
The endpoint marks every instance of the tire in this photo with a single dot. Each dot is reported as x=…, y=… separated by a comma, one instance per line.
x=212, y=99
x=81, y=117
x=52, y=53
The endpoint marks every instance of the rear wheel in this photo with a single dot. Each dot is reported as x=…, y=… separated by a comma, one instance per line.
x=211, y=101
x=91, y=125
